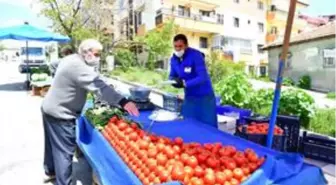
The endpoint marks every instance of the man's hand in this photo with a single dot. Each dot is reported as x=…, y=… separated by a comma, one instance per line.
x=179, y=83
x=131, y=108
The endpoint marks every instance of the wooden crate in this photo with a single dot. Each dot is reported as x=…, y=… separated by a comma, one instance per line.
x=36, y=91
x=44, y=90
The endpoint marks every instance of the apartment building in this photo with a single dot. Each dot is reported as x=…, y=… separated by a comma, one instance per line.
x=277, y=18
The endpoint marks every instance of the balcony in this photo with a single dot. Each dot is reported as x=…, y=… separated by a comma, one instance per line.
x=139, y=4
x=203, y=4
x=188, y=21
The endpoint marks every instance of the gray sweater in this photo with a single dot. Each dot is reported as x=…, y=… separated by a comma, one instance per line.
x=73, y=80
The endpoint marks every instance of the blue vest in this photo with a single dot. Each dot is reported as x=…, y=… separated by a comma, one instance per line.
x=192, y=69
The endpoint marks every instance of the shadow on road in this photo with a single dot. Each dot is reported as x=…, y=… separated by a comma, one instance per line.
x=82, y=173
x=17, y=86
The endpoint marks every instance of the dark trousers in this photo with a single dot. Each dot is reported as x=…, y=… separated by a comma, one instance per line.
x=60, y=144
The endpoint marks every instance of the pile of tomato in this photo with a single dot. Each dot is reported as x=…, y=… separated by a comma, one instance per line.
x=260, y=128
x=158, y=159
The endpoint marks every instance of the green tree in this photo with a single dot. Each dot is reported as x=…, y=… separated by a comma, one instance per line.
x=2, y=47
x=158, y=42
x=78, y=19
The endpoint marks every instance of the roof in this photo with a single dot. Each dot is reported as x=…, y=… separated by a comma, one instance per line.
x=321, y=32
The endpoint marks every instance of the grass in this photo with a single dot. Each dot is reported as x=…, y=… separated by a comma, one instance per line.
x=323, y=122
x=331, y=95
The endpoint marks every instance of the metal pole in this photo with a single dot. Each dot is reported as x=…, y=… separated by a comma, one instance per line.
x=276, y=99
x=27, y=66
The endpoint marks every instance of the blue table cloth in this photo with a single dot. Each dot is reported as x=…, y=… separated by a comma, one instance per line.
x=279, y=168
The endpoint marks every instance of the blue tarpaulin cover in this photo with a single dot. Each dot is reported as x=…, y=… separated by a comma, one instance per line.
x=29, y=33
x=279, y=168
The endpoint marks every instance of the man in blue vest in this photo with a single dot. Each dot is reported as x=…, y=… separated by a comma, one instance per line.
x=188, y=69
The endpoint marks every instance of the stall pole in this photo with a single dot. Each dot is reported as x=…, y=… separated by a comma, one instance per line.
x=282, y=61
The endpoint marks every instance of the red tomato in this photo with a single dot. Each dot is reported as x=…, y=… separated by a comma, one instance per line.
x=177, y=149
x=152, y=153
x=178, y=173
x=160, y=147
x=184, y=158
x=192, y=161
x=196, y=181
x=114, y=119
x=189, y=171
x=164, y=175
x=212, y=162
x=234, y=181
x=209, y=179
x=161, y=159
x=157, y=180
x=252, y=166
x=178, y=141
x=228, y=174
x=230, y=164
x=252, y=157
x=220, y=177
x=240, y=160
x=238, y=173
x=133, y=136
x=143, y=144
x=199, y=172
x=151, y=164
x=208, y=146
x=246, y=170
x=202, y=158
x=122, y=125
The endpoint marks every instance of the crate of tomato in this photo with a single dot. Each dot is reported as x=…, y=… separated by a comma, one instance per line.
x=257, y=133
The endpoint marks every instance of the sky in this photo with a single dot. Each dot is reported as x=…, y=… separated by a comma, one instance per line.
x=13, y=12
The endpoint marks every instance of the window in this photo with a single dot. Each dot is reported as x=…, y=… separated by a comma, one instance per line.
x=236, y=1
x=205, y=13
x=263, y=71
x=248, y=22
x=183, y=11
x=261, y=27
x=220, y=18
x=260, y=50
x=203, y=42
x=274, y=30
x=329, y=58
x=260, y=5
x=139, y=16
x=112, y=20
x=273, y=8
x=236, y=22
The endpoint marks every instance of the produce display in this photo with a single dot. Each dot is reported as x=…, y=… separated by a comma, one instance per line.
x=36, y=77
x=158, y=159
x=259, y=128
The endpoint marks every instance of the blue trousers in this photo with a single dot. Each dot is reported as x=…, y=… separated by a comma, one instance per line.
x=202, y=109
x=59, y=148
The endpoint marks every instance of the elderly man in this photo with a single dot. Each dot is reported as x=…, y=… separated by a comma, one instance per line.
x=64, y=102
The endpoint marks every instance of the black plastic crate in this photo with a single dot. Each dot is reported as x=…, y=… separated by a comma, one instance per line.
x=292, y=126
x=172, y=103
x=279, y=141
x=318, y=147
x=289, y=123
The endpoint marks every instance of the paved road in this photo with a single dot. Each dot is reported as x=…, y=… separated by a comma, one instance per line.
x=21, y=136
x=320, y=98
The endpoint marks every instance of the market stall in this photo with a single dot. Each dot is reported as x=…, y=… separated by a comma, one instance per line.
x=278, y=168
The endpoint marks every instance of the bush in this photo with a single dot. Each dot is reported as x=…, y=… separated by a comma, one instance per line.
x=305, y=82
x=331, y=95
x=324, y=122
x=219, y=68
x=288, y=82
x=234, y=90
x=295, y=102
x=125, y=58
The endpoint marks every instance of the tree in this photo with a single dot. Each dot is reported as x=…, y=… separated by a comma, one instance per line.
x=78, y=19
x=2, y=47
x=158, y=42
